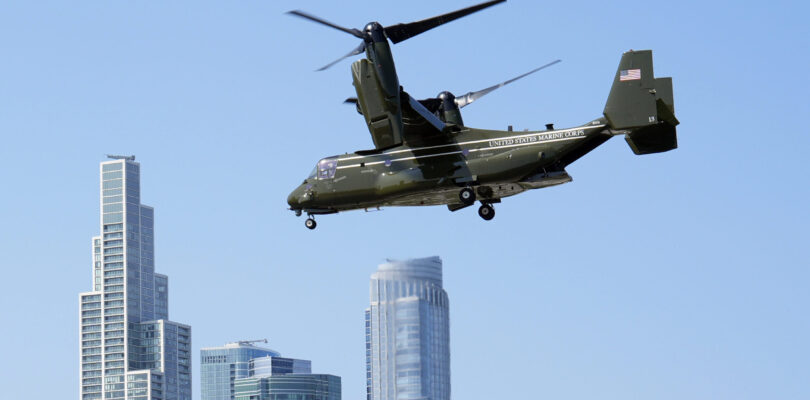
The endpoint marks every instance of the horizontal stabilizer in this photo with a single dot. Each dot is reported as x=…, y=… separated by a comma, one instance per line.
x=653, y=139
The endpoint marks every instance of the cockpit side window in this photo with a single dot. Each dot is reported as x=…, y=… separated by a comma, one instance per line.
x=326, y=168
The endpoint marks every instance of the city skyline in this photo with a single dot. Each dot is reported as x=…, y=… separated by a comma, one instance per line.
x=674, y=276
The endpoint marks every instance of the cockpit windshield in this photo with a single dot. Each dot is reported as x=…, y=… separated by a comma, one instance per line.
x=326, y=168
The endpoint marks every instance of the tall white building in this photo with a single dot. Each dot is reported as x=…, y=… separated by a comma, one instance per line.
x=129, y=348
x=408, y=332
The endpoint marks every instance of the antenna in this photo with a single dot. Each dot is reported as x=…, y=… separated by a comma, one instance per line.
x=117, y=157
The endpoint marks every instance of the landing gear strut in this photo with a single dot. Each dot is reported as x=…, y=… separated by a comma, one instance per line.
x=486, y=211
x=467, y=196
x=310, y=223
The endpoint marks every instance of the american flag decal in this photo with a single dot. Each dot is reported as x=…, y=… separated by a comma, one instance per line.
x=630, y=75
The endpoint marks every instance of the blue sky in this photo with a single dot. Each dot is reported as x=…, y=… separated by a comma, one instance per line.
x=678, y=275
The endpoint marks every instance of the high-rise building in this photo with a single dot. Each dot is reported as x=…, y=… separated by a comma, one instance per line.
x=220, y=367
x=289, y=387
x=129, y=348
x=408, y=332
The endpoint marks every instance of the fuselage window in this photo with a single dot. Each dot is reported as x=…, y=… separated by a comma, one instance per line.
x=327, y=168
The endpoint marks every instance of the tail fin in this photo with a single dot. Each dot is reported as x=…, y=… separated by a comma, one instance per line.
x=642, y=104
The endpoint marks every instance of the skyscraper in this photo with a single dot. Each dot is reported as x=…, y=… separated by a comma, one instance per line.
x=219, y=366
x=129, y=348
x=289, y=387
x=408, y=332
x=241, y=370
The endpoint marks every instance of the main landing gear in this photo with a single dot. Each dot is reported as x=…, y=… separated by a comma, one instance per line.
x=467, y=196
x=486, y=211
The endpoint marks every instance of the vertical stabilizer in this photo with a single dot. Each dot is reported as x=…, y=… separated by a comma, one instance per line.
x=642, y=104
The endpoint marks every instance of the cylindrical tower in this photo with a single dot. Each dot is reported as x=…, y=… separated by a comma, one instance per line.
x=408, y=332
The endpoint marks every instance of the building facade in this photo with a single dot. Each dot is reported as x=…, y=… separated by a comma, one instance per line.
x=220, y=367
x=289, y=387
x=242, y=371
x=408, y=332
x=129, y=348
x=270, y=365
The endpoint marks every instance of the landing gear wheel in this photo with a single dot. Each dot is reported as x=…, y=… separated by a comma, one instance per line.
x=467, y=196
x=486, y=211
x=310, y=223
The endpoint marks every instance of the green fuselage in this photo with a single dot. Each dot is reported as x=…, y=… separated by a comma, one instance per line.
x=497, y=163
x=424, y=155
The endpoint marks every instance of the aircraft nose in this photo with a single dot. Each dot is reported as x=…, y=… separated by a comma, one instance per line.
x=297, y=197
x=292, y=199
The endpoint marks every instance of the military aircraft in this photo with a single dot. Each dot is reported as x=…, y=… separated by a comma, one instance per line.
x=424, y=154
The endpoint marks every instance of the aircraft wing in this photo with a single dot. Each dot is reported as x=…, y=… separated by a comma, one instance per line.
x=388, y=122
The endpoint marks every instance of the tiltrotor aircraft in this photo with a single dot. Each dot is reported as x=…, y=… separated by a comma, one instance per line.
x=424, y=154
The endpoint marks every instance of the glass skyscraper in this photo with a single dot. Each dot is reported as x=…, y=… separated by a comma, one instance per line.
x=129, y=348
x=242, y=371
x=289, y=387
x=408, y=332
x=220, y=366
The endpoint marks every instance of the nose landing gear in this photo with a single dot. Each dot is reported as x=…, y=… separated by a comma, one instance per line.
x=310, y=223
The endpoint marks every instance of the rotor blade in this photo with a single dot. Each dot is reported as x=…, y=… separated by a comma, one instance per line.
x=354, y=32
x=357, y=50
x=354, y=101
x=400, y=32
x=470, y=97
